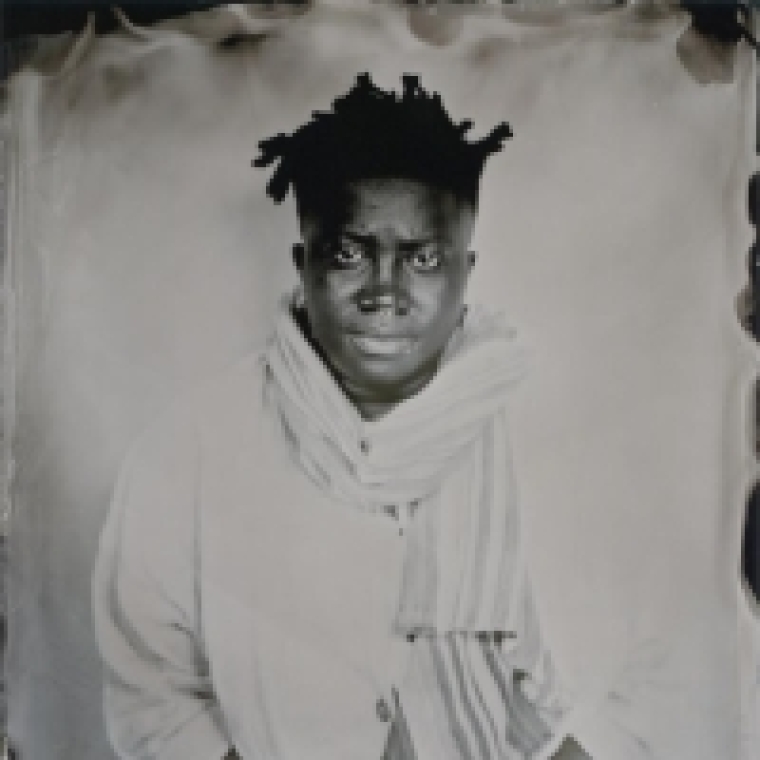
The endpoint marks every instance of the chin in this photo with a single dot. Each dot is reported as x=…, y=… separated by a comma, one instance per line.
x=387, y=382
x=381, y=380
x=390, y=378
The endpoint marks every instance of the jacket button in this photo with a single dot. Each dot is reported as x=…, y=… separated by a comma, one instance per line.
x=364, y=446
x=383, y=711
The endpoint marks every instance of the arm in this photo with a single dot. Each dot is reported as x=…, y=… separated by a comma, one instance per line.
x=158, y=698
x=588, y=729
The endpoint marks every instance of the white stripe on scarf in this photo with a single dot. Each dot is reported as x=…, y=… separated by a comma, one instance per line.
x=463, y=699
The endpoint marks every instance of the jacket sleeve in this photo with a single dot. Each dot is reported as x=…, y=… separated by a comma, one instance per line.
x=158, y=697
x=607, y=723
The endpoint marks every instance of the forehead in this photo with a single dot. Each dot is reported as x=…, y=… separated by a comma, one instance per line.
x=409, y=206
x=397, y=196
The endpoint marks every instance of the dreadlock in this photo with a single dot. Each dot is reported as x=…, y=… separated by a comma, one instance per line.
x=372, y=133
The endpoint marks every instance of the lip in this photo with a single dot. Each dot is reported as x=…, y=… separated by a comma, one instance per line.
x=382, y=345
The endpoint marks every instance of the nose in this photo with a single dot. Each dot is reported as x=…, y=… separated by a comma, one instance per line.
x=383, y=291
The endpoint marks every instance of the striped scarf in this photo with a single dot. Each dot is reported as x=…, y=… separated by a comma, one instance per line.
x=440, y=462
x=441, y=455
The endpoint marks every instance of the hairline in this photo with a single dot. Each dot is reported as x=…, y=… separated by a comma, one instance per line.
x=306, y=208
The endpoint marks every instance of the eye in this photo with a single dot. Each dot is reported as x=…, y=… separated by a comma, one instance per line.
x=425, y=260
x=347, y=254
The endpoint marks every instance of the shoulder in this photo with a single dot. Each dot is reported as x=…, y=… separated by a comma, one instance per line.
x=161, y=473
x=222, y=404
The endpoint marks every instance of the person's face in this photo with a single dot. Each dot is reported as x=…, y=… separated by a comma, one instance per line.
x=384, y=277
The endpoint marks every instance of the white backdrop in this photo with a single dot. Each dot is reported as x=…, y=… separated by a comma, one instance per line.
x=146, y=257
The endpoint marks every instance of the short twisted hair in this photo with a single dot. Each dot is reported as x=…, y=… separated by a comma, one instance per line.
x=372, y=133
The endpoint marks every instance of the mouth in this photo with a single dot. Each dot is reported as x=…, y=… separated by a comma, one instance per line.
x=382, y=346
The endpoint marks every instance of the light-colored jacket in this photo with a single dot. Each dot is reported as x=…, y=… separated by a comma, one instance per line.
x=236, y=606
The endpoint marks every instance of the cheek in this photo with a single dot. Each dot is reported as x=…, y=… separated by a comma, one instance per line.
x=439, y=296
x=329, y=294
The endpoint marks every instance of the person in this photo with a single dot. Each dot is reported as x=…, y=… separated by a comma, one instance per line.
x=318, y=556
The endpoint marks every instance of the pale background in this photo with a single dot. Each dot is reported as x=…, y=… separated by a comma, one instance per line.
x=612, y=231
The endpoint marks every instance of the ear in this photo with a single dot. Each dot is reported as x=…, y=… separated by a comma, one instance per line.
x=299, y=256
x=472, y=259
